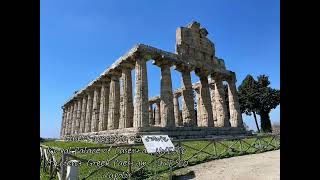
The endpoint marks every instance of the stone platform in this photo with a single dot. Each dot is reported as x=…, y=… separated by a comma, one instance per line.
x=175, y=132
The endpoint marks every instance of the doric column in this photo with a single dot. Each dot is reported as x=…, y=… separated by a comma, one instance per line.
x=221, y=107
x=157, y=116
x=70, y=119
x=199, y=122
x=78, y=116
x=126, y=110
x=83, y=114
x=234, y=107
x=176, y=109
x=141, y=114
x=205, y=114
x=74, y=117
x=63, y=123
x=95, y=109
x=166, y=103
x=89, y=112
x=188, y=113
x=213, y=104
x=66, y=130
x=114, y=103
x=151, y=118
x=104, y=105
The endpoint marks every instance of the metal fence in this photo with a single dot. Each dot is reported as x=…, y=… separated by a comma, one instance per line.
x=187, y=152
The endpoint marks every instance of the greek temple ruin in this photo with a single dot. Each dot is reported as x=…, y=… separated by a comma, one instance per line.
x=108, y=105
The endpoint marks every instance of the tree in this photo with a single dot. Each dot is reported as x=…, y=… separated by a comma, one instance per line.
x=258, y=97
x=249, y=97
x=269, y=99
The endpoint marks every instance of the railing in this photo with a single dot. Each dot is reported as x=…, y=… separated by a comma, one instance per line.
x=137, y=164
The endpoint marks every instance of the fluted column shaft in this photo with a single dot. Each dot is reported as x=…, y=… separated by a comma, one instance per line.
x=188, y=113
x=126, y=111
x=176, y=108
x=157, y=117
x=199, y=123
x=104, y=106
x=73, y=117
x=234, y=107
x=213, y=104
x=166, y=103
x=66, y=131
x=63, y=123
x=141, y=114
x=95, y=109
x=78, y=116
x=221, y=107
x=83, y=114
x=114, y=103
x=151, y=118
x=89, y=112
x=206, y=119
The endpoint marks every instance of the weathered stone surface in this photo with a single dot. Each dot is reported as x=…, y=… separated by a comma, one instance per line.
x=126, y=110
x=151, y=117
x=141, y=114
x=234, y=107
x=104, y=106
x=78, y=117
x=176, y=108
x=205, y=113
x=114, y=103
x=89, y=112
x=63, y=123
x=157, y=115
x=188, y=113
x=166, y=103
x=74, y=117
x=95, y=109
x=213, y=104
x=83, y=114
x=221, y=107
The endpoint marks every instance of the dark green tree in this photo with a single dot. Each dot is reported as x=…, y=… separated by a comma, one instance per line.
x=269, y=99
x=249, y=97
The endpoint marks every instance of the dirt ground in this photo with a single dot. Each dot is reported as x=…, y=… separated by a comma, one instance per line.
x=263, y=166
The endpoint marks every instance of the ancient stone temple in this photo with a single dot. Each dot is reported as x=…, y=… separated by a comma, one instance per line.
x=108, y=105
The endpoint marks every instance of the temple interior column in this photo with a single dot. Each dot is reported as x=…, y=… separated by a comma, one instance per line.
x=151, y=118
x=114, y=103
x=213, y=104
x=188, y=113
x=206, y=119
x=221, y=107
x=104, y=105
x=157, y=116
x=126, y=111
x=95, y=109
x=83, y=114
x=176, y=108
x=89, y=112
x=166, y=103
x=234, y=107
x=141, y=114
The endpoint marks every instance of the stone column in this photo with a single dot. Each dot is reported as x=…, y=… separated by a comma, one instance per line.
x=66, y=130
x=74, y=119
x=166, y=103
x=104, y=106
x=221, y=107
x=188, y=113
x=234, y=107
x=89, y=112
x=63, y=123
x=78, y=116
x=213, y=104
x=197, y=91
x=114, y=103
x=157, y=116
x=205, y=114
x=83, y=114
x=176, y=109
x=141, y=114
x=95, y=109
x=126, y=111
x=151, y=118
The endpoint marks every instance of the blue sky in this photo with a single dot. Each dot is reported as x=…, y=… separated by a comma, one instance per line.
x=79, y=39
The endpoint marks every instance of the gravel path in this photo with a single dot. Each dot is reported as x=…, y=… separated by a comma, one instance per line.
x=263, y=166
